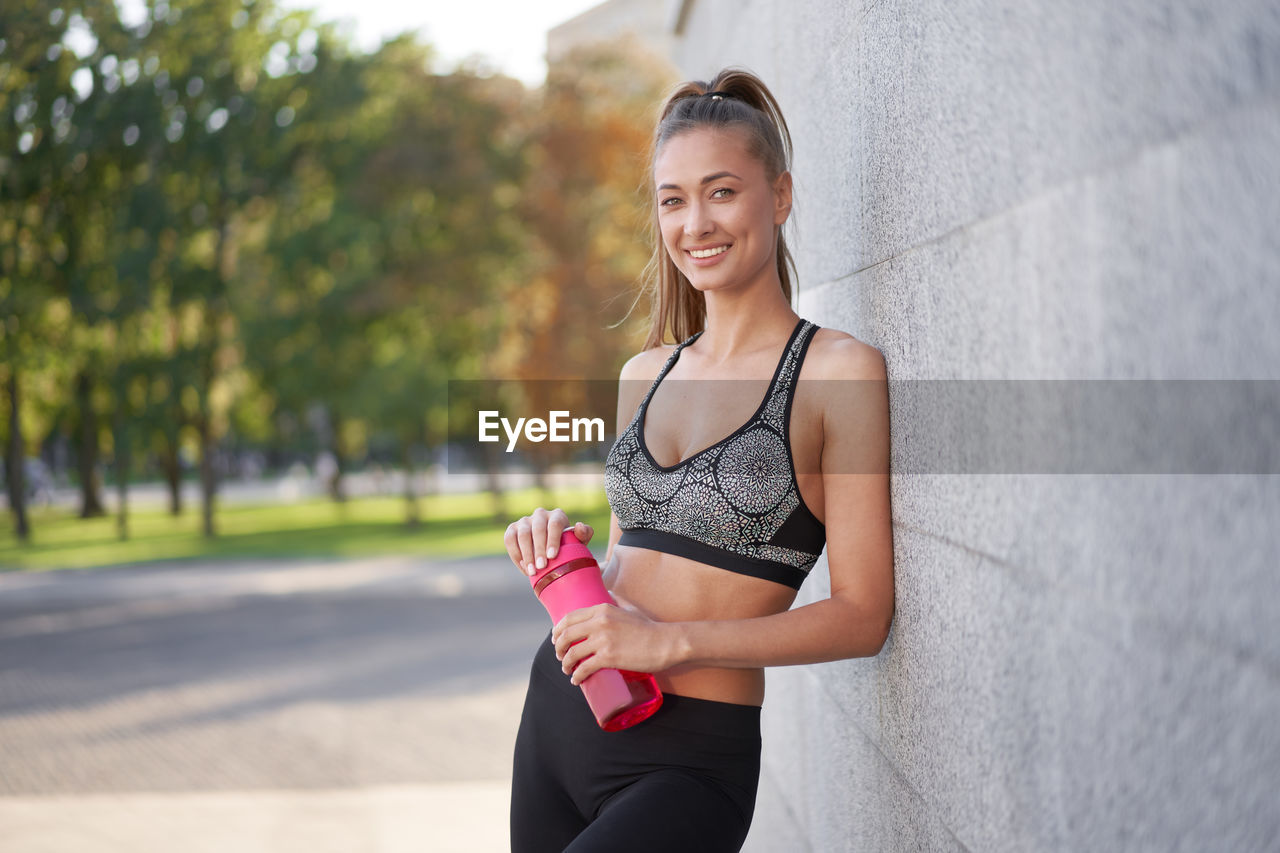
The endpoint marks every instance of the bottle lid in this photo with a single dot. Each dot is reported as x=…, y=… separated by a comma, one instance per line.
x=571, y=556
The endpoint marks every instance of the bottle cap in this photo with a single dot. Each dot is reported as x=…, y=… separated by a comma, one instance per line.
x=571, y=556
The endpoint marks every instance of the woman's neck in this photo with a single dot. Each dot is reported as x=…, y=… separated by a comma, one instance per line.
x=741, y=322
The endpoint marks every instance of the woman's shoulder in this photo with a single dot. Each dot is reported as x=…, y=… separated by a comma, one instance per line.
x=834, y=354
x=636, y=377
x=646, y=364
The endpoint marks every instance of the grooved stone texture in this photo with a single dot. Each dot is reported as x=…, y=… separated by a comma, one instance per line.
x=1037, y=190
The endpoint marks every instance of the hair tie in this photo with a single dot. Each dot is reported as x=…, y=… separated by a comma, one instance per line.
x=716, y=96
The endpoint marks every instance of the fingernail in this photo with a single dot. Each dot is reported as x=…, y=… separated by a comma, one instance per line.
x=528, y=570
x=551, y=552
x=542, y=563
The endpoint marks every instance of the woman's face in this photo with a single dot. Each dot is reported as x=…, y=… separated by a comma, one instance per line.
x=717, y=209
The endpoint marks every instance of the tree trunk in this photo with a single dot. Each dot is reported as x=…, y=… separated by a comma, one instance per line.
x=204, y=429
x=90, y=491
x=122, y=475
x=335, y=484
x=14, y=459
x=173, y=432
x=208, y=477
x=413, y=513
x=213, y=314
x=172, y=470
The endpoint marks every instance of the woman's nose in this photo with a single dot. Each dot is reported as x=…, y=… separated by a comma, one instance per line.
x=698, y=222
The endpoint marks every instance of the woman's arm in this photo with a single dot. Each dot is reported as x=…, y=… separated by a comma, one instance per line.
x=535, y=538
x=853, y=622
x=609, y=568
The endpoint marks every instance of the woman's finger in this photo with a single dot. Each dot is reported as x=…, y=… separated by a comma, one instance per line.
x=570, y=630
x=511, y=540
x=557, y=521
x=535, y=538
x=524, y=538
x=585, y=668
x=576, y=654
x=538, y=520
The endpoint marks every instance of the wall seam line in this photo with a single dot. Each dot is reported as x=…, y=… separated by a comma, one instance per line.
x=1182, y=633
x=1111, y=167
x=889, y=762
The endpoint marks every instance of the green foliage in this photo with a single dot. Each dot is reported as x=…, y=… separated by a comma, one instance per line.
x=223, y=224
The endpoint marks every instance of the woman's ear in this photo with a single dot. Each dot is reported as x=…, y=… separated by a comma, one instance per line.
x=782, y=198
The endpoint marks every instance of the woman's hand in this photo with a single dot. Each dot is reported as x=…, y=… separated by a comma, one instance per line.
x=535, y=538
x=606, y=636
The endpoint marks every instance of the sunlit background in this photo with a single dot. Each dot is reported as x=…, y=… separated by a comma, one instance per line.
x=509, y=37
x=250, y=246
x=246, y=248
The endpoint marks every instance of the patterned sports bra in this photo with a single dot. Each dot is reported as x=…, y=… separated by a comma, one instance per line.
x=734, y=505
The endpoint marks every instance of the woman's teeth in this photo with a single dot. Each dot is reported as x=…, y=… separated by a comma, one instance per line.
x=708, y=253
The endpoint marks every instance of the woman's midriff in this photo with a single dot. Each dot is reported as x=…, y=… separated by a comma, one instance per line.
x=668, y=588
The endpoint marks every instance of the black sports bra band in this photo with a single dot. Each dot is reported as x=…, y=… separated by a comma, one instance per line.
x=683, y=546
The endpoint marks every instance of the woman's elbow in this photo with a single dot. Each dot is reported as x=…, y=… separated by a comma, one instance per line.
x=884, y=620
x=869, y=632
x=880, y=635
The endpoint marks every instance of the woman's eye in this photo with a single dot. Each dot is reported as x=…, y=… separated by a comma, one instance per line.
x=669, y=202
x=722, y=192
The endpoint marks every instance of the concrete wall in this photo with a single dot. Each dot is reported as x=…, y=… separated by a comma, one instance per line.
x=1037, y=189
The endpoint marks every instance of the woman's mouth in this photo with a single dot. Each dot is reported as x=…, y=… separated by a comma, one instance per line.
x=703, y=254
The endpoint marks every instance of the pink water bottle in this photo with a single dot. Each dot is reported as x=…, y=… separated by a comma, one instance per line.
x=618, y=697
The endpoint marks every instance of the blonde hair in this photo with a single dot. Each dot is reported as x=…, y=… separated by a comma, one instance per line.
x=746, y=103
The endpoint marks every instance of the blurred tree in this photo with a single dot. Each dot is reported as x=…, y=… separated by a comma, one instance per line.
x=154, y=144
x=110, y=216
x=233, y=77
x=382, y=255
x=215, y=216
x=35, y=73
x=452, y=243
x=583, y=205
x=586, y=216
x=302, y=299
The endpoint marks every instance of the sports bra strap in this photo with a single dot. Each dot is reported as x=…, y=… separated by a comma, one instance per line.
x=782, y=390
x=671, y=359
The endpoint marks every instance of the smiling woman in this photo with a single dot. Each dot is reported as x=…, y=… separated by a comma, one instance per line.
x=722, y=502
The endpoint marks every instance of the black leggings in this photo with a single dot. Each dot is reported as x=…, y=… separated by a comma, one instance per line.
x=683, y=780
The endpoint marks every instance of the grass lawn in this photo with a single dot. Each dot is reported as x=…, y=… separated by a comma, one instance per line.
x=452, y=526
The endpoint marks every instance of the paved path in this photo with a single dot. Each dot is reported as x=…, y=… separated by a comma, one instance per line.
x=363, y=705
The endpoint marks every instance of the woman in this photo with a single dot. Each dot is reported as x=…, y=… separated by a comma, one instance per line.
x=722, y=502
